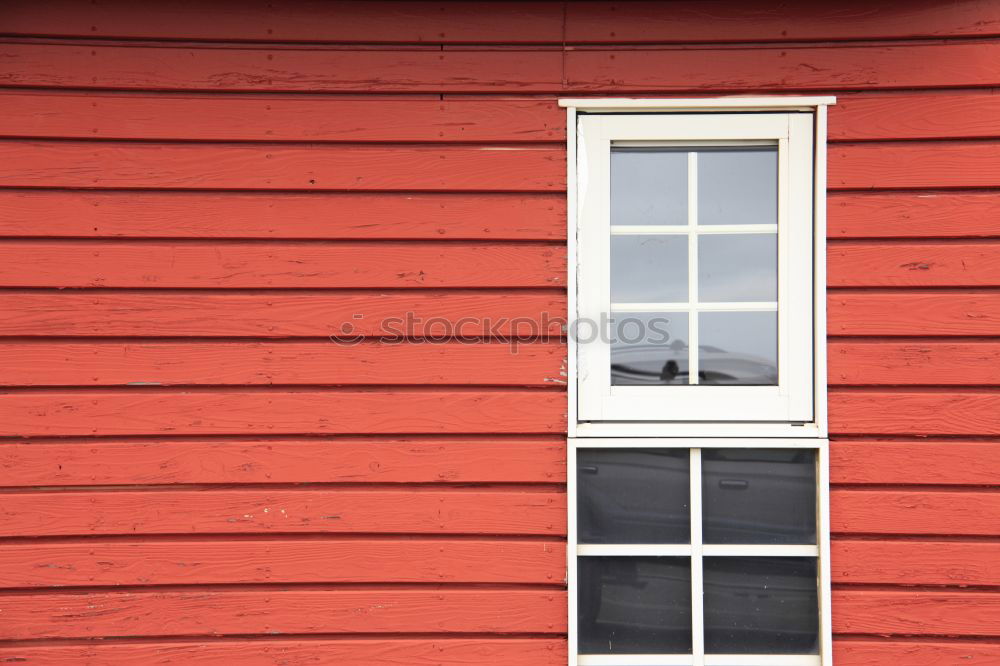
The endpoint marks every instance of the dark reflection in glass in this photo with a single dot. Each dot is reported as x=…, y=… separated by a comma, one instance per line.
x=759, y=496
x=761, y=605
x=649, y=348
x=738, y=185
x=649, y=269
x=634, y=605
x=648, y=186
x=738, y=348
x=633, y=496
x=737, y=267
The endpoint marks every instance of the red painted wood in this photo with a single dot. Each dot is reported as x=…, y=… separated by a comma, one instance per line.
x=915, y=562
x=463, y=459
x=912, y=214
x=234, y=412
x=928, y=313
x=864, y=166
x=438, y=651
x=118, y=116
x=914, y=462
x=286, y=612
x=925, y=512
x=316, y=511
x=107, y=363
x=282, y=560
x=917, y=613
x=914, y=653
x=143, y=314
x=914, y=412
x=927, y=362
x=355, y=215
x=914, y=116
x=207, y=264
x=912, y=264
x=302, y=167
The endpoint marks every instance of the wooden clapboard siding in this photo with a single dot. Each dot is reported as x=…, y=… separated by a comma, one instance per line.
x=943, y=115
x=926, y=652
x=914, y=462
x=923, y=512
x=928, y=362
x=916, y=165
x=930, y=214
x=915, y=562
x=923, y=264
x=965, y=613
x=902, y=412
x=913, y=312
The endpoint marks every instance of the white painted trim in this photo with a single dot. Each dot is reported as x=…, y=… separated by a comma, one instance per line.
x=571, y=226
x=755, y=550
x=631, y=429
x=823, y=534
x=690, y=442
x=758, y=659
x=701, y=104
x=819, y=271
x=634, y=550
x=697, y=564
x=686, y=660
x=657, y=229
x=634, y=660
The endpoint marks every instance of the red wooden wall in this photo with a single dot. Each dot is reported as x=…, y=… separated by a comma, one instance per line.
x=194, y=195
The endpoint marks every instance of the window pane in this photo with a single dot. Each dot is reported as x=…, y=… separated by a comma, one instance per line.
x=738, y=185
x=649, y=348
x=649, y=269
x=633, y=496
x=761, y=605
x=738, y=348
x=634, y=605
x=648, y=186
x=737, y=267
x=759, y=496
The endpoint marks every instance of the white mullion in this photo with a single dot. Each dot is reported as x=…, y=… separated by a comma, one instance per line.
x=633, y=550
x=693, y=360
x=756, y=550
x=737, y=228
x=634, y=660
x=720, y=306
x=697, y=570
x=757, y=659
x=677, y=229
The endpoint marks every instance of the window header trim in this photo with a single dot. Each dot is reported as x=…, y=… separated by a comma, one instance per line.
x=706, y=104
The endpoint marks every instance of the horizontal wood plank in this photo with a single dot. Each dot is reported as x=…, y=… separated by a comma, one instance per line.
x=164, y=118
x=467, y=459
x=354, y=215
x=927, y=512
x=901, y=412
x=379, y=264
x=952, y=462
x=899, y=363
x=925, y=313
x=234, y=412
x=914, y=116
x=388, y=314
x=915, y=653
x=437, y=651
x=206, y=612
x=106, y=363
x=25, y=163
x=899, y=264
x=867, y=166
x=314, y=511
x=284, y=560
x=916, y=613
x=913, y=214
x=915, y=562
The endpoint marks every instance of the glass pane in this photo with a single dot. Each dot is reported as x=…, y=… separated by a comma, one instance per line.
x=761, y=605
x=648, y=186
x=738, y=348
x=738, y=185
x=634, y=605
x=633, y=496
x=649, y=269
x=649, y=348
x=759, y=496
x=737, y=267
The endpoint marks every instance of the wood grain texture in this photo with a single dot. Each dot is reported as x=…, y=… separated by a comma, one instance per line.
x=313, y=511
x=355, y=215
x=204, y=264
x=951, y=462
x=901, y=412
x=928, y=512
x=915, y=562
x=206, y=612
x=302, y=167
x=916, y=613
x=914, y=116
x=143, y=314
x=899, y=264
x=466, y=459
x=283, y=560
x=106, y=363
x=913, y=214
x=118, y=116
x=234, y=412
x=925, y=313
x=916, y=165
x=915, y=653
x=898, y=363
x=438, y=651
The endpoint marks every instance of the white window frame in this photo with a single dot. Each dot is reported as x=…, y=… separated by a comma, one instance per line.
x=797, y=407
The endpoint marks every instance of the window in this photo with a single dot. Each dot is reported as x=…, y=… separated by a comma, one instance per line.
x=698, y=487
